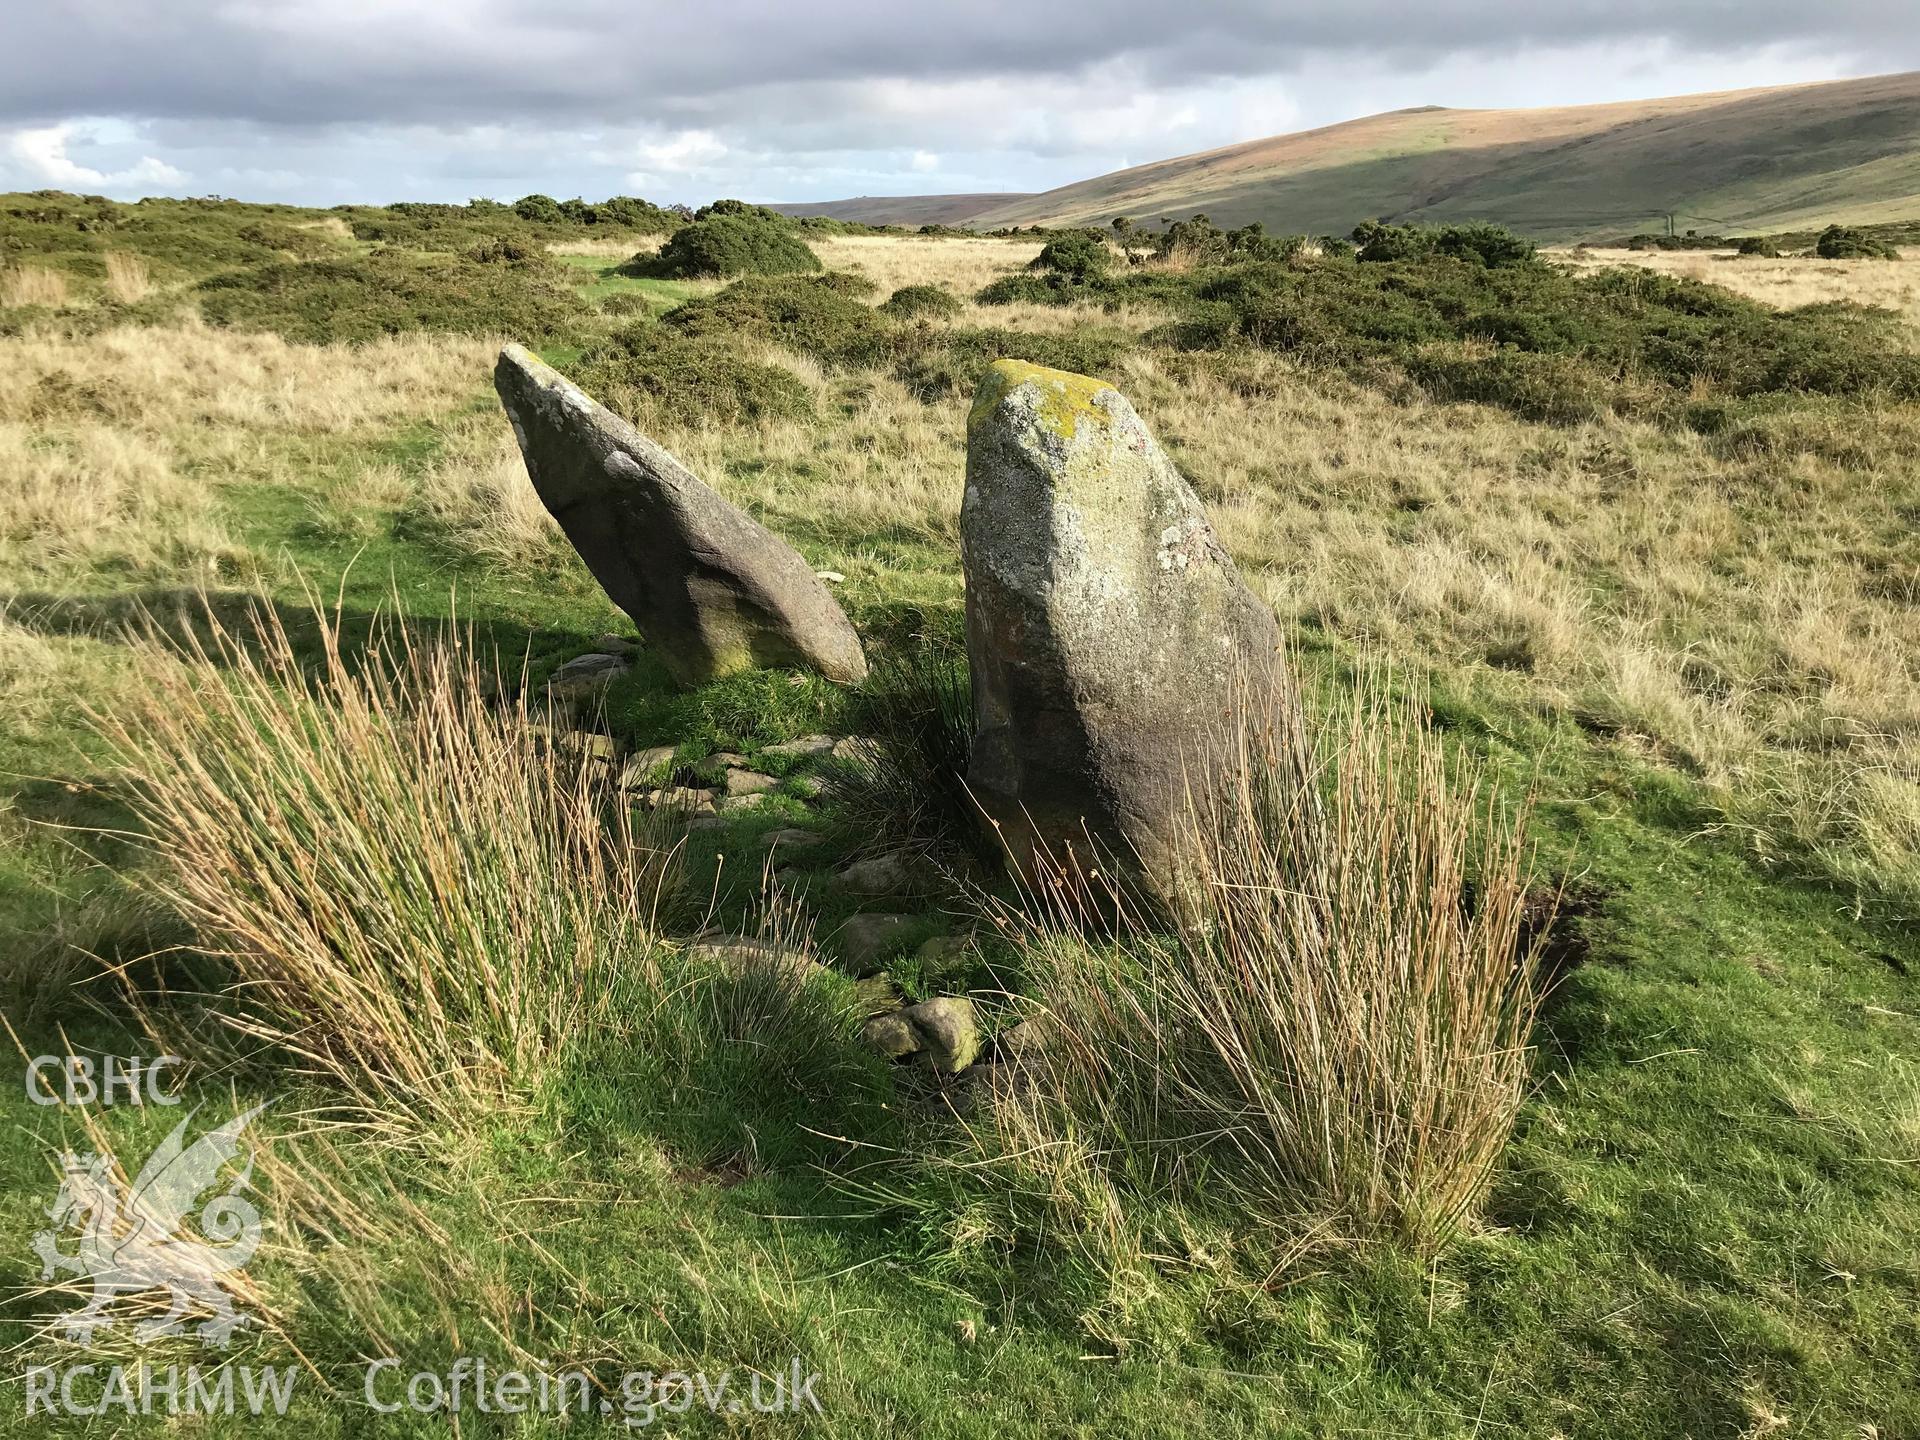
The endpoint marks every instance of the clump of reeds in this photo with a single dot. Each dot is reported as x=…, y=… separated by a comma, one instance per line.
x=1331, y=1035
x=416, y=893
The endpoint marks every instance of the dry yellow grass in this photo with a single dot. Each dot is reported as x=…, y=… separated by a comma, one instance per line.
x=332, y=226
x=94, y=494
x=22, y=285
x=886, y=462
x=476, y=490
x=1786, y=283
x=107, y=442
x=30, y=666
x=128, y=279
x=609, y=249
x=961, y=265
x=188, y=375
x=1728, y=615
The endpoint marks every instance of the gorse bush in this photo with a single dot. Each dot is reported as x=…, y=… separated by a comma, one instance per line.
x=322, y=301
x=818, y=316
x=630, y=212
x=1198, y=241
x=1845, y=242
x=1489, y=244
x=1690, y=240
x=741, y=210
x=178, y=240
x=539, y=210
x=533, y=221
x=648, y=372
x=950, y=362
x=821, y=317
x=728, y=245
x=1489, y=326
x=921, y=302
x=1076, y=254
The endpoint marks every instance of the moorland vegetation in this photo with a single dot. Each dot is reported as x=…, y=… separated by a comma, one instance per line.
x=1602, y=1116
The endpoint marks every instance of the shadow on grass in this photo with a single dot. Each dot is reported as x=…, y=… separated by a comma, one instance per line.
x=182, y=615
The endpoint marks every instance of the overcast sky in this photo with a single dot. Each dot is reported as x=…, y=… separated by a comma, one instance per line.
x=327, y=101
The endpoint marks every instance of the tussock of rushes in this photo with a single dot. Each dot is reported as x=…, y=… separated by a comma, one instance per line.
x=1337, y=1040
x=22, y=285
x=128, y=280
x=916, y=712
x=418, y=898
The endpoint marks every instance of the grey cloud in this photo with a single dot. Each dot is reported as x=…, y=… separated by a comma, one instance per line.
x=602, y=61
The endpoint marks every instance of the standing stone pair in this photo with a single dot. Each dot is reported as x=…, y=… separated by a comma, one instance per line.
x=1108, y=633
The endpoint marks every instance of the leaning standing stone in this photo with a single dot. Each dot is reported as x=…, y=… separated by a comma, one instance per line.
x=1107, y=630
x=712, y=590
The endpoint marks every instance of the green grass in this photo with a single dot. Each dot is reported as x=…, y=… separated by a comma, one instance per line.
x=1706, y=1214
x=607, y=281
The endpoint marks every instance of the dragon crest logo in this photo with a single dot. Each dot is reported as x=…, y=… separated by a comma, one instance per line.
x=134, y=1240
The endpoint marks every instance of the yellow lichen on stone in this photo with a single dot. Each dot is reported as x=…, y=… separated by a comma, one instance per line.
x=1064, y=396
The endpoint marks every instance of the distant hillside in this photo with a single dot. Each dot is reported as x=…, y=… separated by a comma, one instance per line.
x=1783, y=158
x=912, y=210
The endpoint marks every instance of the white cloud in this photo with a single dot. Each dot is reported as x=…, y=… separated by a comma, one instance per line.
x=923, y=162
x=685, y=153
x=41, y=155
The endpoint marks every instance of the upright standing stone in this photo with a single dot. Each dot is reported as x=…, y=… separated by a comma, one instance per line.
x=1107, y=631
x=712, y=589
